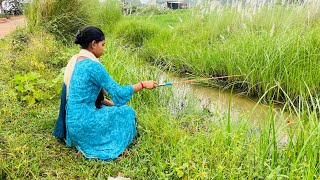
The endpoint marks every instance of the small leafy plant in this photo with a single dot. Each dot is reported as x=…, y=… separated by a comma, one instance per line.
x=30, y=87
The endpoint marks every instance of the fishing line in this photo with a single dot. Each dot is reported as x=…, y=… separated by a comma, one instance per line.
x=195, y=80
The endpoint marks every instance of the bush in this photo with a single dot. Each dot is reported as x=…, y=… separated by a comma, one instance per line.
x=62, y=18
x=135, y=33
x=29, y=64
x=105, y=14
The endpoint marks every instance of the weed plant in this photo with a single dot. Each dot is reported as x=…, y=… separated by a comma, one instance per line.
x=64, y=18
x=135, y=33
x=104, y=15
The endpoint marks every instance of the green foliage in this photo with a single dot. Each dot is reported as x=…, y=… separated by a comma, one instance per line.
x=28, y=61
x=5, y=16
x=30, y=88
x=269, y=52
x=105, y=15
x=135, y=33
x=19, y=39
x=62, y=18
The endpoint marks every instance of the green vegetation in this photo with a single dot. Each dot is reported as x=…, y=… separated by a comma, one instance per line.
x=4, y=16
x=275, y=47
x=61, y=18
x=135, y=33
x=64, y=18
x=105, y=15
x=178, y=139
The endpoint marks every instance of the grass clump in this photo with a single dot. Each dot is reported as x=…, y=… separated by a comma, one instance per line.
x=61, y=18
x=278, y=51
x=64, y=18
x=104, y=15
x=135, y=33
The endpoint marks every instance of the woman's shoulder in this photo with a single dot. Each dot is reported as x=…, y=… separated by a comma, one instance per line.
x=93, y=65
x=89, y=62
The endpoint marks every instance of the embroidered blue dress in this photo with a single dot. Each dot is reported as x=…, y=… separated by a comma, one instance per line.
x=98, y=133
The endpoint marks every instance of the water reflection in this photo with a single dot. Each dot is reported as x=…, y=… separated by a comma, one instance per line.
x=217, y=103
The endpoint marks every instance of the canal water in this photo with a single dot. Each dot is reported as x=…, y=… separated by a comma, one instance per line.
x=217, y=102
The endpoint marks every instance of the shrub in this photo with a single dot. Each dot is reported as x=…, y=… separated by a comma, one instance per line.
x=29, y=63
x=135, y=33
x=62, y=18
x=105, y=15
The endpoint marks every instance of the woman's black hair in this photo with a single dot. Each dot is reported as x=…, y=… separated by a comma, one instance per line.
x=88, y=34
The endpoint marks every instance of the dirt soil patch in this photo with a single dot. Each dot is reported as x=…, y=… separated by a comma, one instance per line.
x=9, y=24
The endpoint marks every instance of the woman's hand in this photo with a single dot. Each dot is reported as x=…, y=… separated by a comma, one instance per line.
x=149, y=84
x=144, y=84
x=107, y=102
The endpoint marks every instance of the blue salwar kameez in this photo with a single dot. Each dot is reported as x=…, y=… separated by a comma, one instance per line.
x=98, y=133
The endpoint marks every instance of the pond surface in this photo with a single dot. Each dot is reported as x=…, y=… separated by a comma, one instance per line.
x=217, y=102
x=242, y=108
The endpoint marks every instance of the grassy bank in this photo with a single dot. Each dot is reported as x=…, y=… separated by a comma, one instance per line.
x=177, y=138
x=276, y=48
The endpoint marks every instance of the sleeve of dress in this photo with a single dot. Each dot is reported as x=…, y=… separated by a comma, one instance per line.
x=120, y=95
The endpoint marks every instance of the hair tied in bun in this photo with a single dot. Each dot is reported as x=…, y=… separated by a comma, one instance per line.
x=88, y=34
x=80, y=34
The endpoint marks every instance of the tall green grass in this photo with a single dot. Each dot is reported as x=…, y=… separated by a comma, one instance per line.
x=135, y=33
x=61, y=18
x=104, y=15
x=64, y=18
x=269, y=45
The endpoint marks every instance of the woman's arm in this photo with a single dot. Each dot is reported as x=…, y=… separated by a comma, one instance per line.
x=120, y=95
x=144, y=84
x=137, y=87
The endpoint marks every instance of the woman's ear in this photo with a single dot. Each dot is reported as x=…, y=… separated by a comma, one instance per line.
x=93, y=44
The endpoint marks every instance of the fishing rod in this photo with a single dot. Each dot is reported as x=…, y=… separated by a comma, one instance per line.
x=195, y=80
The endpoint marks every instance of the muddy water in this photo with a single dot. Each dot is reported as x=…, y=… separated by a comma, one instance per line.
x=217, y=101
x=241, y=106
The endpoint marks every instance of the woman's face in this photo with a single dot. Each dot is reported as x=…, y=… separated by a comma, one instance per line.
x=98, y=48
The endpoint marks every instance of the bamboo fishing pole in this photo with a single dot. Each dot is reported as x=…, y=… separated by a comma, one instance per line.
x=195, y=80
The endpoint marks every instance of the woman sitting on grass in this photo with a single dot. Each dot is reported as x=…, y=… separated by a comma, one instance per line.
x=104, y=132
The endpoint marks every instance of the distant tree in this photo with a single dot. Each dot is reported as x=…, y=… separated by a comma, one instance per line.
x=1, y=8
x=16, y=3
x=15, y=7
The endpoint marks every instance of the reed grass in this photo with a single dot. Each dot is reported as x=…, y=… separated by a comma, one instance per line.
x=61, y=18
x=270, y=45
x=104, y=15
x=64, y=18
